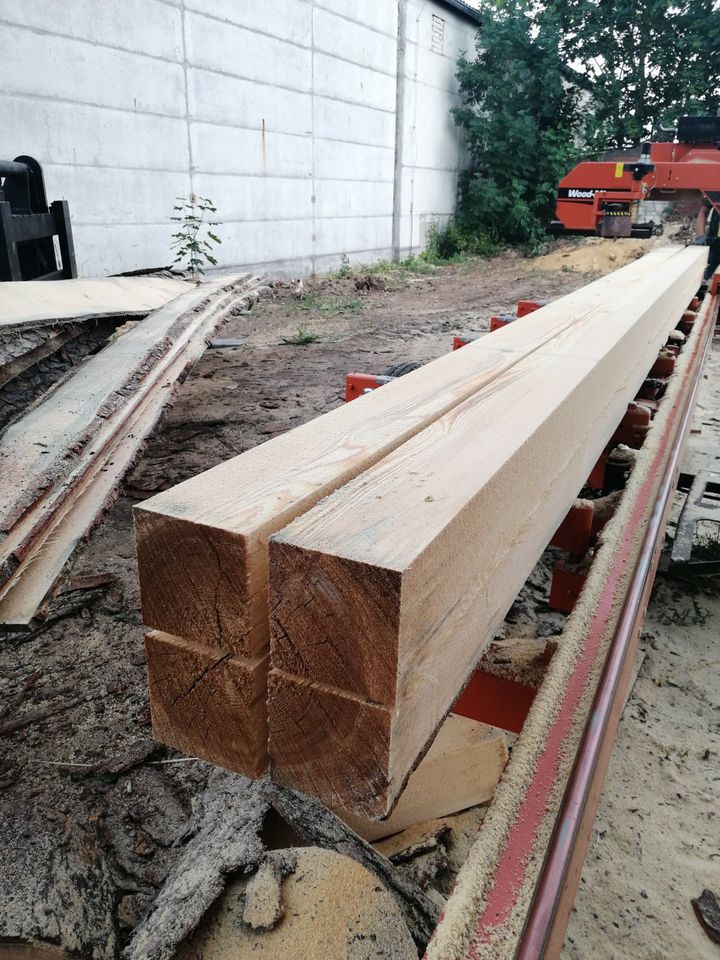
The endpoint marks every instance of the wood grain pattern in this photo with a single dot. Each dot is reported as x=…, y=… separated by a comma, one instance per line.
x=33, y=302
x=202, y=546
x=460, y=770
x=209, y=705
x=388, y=590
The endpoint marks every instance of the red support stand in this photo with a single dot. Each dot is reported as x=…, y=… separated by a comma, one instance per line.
x=462, y=342
x=575, y=531
x=664, y=366
x=633, y=426
x=502, y=703
x=502, y=320
x=565, y=587
x=524, y=307
x=356, y=384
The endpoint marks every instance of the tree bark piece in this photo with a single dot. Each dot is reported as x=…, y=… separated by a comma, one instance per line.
x=35, y=549
x=202, y=546
x=41, y=448
x=384, y=596
x=209, y=704
x=225, y=839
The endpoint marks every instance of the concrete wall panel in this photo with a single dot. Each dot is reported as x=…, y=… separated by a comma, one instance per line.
x=136, y=25
x=59, y=132
x=336, y=120
x=345, y=81
x=227, y=48
x=254, y=199
x=335, y=160
x=238, y=102
x=381, y=17
x=335, y=35
x=285, y=19
x=232, y=150
x=87, y=73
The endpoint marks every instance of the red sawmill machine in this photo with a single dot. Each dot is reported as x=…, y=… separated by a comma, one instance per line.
x=602, y=198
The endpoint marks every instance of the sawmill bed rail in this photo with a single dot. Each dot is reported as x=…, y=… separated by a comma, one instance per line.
x=514, y=895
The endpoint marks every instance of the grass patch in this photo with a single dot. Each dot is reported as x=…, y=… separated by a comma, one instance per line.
x=301, y=338
x=330, y=308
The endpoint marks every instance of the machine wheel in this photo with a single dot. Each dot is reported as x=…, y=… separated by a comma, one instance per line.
x=400, y=369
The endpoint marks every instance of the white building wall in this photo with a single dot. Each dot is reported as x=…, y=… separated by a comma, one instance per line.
x=433, y=150
x=282, y=112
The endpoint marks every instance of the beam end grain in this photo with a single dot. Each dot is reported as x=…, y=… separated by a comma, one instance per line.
x=194, y=583
x=208, y=704
x=328, y=745
x=308, y=587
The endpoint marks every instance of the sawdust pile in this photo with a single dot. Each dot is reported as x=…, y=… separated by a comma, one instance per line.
x=596, y=254
x=332, y=907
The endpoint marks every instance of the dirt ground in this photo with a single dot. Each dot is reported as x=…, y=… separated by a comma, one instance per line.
x=85, y=790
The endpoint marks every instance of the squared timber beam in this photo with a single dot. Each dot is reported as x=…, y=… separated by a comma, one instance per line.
x=385, y=595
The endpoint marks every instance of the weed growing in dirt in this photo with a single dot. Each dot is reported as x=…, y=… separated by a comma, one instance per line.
x=344, y=270
x=686, y=616
x=302, y=338
x=330, y=308
x=193, y=242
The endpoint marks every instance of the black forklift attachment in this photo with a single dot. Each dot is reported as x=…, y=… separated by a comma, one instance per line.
x=28, y=226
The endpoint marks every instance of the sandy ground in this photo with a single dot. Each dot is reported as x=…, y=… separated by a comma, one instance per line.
x=79, y=772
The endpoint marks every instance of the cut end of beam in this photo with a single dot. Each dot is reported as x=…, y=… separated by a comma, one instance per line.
x=329, y=746
x=194, y=584
x=208, y=704
x=308, y=587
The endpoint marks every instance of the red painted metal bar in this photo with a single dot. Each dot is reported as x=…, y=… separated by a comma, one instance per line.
x=545, y=926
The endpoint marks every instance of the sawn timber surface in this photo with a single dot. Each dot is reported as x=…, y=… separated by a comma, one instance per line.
x=385, y=594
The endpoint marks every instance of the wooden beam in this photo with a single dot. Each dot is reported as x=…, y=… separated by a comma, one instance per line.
x=460, y=770
x=210, y=706
x=202, y=546
x=36, y=302
x=384, y=596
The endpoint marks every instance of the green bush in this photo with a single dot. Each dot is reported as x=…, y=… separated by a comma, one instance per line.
x=456, y=242
x=521, y=121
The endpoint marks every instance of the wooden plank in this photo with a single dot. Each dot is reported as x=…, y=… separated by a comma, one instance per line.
x=460, y=770
x=202, y=554
x=35, y=302
x=56, y=340
x=209, y=705
x=45, y=453
x=385, y=594
x=49, y=533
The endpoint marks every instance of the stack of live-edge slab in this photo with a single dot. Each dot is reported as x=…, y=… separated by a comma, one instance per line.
x=61, y=461
x=394, y=534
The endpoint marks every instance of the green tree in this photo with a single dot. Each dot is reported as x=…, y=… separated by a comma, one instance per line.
x=644, y=61
x=521, y=119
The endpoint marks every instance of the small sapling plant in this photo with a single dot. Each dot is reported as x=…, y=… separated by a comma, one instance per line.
x=195, y=237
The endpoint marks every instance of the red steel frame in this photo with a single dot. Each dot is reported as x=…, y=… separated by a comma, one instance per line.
x=544, y=931
x=679, y=169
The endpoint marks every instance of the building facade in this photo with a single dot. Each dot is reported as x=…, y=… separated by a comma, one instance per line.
x=320, y=129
